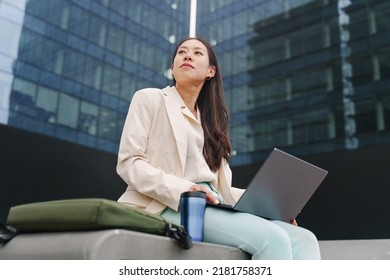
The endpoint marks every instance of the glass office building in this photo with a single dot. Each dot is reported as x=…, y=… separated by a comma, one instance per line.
x=68, y=68
x=308, y=76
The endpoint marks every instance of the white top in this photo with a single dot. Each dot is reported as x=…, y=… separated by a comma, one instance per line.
x=196, y=168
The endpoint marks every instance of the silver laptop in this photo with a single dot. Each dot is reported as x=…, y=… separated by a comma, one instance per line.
x=281, y=187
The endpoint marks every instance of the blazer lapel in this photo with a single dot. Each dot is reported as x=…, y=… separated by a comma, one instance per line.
x=176, y=118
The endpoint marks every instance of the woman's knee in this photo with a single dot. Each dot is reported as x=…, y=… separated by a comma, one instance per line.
x=308, y=236
x=267, y=241
x=277, y=236
x=303, y=242
x=275, y=243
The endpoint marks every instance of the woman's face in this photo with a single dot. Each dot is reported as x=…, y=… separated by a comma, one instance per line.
x=191, y=63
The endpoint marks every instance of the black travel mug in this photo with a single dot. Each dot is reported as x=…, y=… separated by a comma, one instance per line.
x=192, y=207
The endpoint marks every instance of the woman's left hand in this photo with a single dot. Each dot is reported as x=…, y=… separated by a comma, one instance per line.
x=294, y=222
x=210, y=198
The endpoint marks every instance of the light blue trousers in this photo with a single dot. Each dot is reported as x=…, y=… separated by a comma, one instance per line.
x=261, y=238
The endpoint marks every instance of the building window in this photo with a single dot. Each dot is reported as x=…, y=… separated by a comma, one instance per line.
x=88, y=118
x=47, y=101
x=68, y=111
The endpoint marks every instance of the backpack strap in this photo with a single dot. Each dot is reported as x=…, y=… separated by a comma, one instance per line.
x=179, y=233
x=6, y=233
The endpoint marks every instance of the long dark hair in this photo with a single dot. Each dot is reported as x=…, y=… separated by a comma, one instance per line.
x=214, y=113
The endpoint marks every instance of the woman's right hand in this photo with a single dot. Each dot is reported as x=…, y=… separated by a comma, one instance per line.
x=210, y=198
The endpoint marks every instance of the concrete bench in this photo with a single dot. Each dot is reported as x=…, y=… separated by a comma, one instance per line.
x=117, y=244
x=112, y=244
x=363, y=249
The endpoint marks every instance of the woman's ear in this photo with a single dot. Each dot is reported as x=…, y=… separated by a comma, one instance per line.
x=212, y=71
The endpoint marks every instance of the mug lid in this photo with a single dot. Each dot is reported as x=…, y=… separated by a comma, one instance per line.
x=194, y=194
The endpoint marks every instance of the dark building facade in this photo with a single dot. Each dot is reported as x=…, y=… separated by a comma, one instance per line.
x=74, y=65
x=308, y=76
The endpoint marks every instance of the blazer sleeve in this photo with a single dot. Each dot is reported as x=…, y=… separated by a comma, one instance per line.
x=134, y=165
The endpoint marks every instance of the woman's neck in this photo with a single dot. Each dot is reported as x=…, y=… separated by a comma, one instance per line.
x=189, y=95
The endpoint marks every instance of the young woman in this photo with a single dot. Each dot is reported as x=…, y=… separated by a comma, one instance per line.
x=176, y=139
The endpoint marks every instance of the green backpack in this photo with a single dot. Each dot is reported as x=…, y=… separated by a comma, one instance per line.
x=87, y=214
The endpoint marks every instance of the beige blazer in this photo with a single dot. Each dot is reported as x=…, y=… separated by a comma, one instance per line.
x=152, y=153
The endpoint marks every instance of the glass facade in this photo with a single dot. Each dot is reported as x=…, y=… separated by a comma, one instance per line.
x=68, y=68
x=308, y=76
